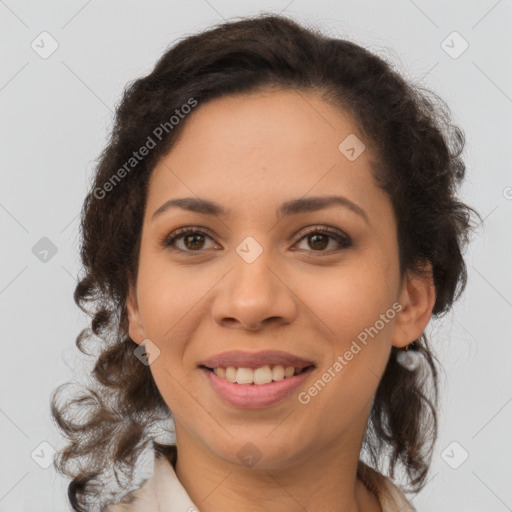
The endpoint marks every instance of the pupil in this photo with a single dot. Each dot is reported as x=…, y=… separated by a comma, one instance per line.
x=315, y=238
x=194, y=244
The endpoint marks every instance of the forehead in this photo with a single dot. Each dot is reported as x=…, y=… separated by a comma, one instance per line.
x=271, y=121
x=257, y=149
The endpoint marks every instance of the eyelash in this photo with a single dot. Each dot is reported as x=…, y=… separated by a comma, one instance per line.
x=345, y=242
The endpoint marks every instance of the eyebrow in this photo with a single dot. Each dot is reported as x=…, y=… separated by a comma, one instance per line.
x=292, y=207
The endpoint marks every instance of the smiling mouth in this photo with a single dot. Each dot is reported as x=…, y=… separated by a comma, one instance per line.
x=257, y=376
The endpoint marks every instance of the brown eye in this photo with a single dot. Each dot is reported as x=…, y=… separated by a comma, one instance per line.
x=190, y=239
x=193, y=240
x=318, y=241
x=319, y=238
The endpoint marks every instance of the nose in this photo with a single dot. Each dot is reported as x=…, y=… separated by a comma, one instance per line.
x=254, y=295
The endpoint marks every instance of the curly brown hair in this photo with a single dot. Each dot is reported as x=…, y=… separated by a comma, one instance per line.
x=420, y=168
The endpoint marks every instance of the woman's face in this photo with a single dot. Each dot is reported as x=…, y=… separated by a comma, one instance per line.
x=268, y=273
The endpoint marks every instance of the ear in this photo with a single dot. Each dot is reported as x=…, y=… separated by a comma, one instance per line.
x=135, y=327
x=417, y=298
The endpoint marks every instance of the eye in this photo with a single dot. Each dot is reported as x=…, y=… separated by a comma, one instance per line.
x=318, y=238
x=193, y=239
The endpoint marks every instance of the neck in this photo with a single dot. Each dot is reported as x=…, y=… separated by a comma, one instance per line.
x=325, y=480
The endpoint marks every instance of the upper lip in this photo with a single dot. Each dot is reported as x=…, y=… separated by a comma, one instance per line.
x=240, y=359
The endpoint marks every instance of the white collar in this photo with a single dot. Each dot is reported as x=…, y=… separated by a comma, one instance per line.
x=162, y=492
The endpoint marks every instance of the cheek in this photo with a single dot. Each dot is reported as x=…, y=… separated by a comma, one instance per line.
x=356, y=304
x=166, y=295
x=360, y=317
x=349, y=299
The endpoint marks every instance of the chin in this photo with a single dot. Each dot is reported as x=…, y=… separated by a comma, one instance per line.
x=259, y=452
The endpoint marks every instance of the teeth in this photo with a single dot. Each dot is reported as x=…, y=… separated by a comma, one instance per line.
x=278, y=372
x=230, y=373
x=263, y=375
x=244, y=376
x=289, y=371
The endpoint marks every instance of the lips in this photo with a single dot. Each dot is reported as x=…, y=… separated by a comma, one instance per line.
x=243, y=359
x=250, y=380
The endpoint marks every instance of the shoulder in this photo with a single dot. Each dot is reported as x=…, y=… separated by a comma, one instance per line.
x=143, y=498
x=162, y=491
x=390, y=497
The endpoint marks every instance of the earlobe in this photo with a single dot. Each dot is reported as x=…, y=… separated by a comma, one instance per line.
x=417, y=298
x=135, y=328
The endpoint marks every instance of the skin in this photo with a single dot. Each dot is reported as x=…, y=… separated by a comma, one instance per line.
x=250, y=153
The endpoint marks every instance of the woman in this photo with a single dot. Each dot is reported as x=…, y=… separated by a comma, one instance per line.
x=271, y=227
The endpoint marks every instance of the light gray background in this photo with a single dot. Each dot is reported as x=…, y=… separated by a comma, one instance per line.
x=55, y=116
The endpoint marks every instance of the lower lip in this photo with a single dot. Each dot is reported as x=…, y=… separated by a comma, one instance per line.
x=254, y=396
